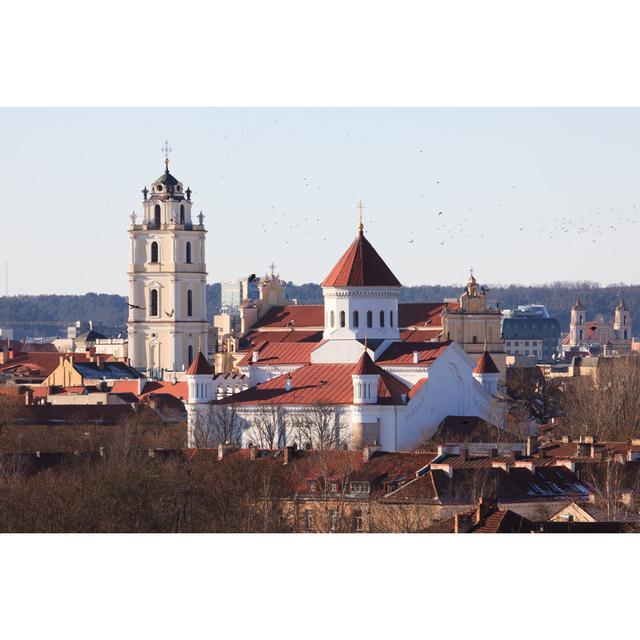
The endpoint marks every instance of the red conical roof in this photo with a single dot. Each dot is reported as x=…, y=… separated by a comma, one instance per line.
x=366, y=366
x=200, y=367
x=361, y=266
x=486, y=364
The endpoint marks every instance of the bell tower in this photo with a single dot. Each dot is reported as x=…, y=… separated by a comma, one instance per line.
x=576, y=326
x=167, y=323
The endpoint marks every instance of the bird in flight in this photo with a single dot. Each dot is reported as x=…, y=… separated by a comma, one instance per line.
x=135, y=306
x=170, y=315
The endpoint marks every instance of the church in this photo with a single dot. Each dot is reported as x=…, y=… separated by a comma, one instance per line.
x=361, y=369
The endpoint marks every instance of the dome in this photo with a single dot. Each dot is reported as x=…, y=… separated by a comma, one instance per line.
x=167, y=184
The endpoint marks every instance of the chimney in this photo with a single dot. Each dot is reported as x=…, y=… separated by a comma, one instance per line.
x=12, y=354
x=493, y=452
x=253, y=452
x=288, y=383
x=224, y=449
x=4, y=354
x=566, y=439
x=369, y=449
x=141, y=384
x=485, y=507
x=287, y=453
x=532, y=445
x=464, y=453
x=255, y=356
x=416, y=357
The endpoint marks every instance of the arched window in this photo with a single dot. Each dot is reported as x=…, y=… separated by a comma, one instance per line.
x=474, y=339
x=356, y=320
x=188, y=253
x=189, y=303
x=369, y=319
x=153, y=303
x=333, y=319
x=391, y=318
x=181, y=214
x=342, y=319
x=382, y=318
x=156, y=215
x=154, y=252
x=190, y=354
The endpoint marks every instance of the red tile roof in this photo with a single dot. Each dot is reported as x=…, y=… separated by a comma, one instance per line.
x=486, y=364
x=361, y=266
x=42, y=362
x=420, y=335
x=200, y=367
x=365, y=366
x=177, y=389
x=318, y=384
x=286, y=335
x=280, y=353
x=297, y=316
x=401, y=353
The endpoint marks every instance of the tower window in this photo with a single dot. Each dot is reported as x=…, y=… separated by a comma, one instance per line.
x=188, y=253
x=369, y=319
x=181, y=214
x=153, y=303
x=156, y=215
x=342, y=319
x=154, y=252
x=189, y=303
x=190, y=354
x=391, y=318
x=356, y=319
x=382, y=318
x=333, y=319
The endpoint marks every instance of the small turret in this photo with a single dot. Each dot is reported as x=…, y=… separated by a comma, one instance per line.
x=366, y=378
x=487, y=373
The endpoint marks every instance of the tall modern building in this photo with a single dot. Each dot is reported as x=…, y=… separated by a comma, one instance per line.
x=234, y=292
x=167, y=322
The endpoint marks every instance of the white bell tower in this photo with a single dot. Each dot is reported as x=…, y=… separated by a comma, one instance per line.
x=167, y=323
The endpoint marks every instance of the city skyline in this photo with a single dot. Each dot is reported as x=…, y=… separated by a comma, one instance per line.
x=444, y=190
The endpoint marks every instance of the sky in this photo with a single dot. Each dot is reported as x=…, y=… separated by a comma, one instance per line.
x=524, y=196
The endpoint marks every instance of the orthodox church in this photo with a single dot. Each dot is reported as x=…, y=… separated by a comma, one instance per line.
x=360, y=369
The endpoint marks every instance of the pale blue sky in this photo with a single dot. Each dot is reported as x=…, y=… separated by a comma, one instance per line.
x=505, y=180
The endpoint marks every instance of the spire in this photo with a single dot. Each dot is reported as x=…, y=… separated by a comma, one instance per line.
x=486, y=364
x=361, y=225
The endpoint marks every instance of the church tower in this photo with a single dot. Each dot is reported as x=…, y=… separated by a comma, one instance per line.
x=622, y=321
x=167, y=323
x=576, y=326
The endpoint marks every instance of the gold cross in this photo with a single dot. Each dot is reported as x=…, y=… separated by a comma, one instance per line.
x=273, y=268
x=361, y=208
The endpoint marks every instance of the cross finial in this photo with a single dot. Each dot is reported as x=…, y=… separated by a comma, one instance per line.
x=166, y=149
x=361, y=209
x=272, y=266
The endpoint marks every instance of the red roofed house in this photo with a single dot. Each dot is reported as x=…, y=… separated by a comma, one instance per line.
x=361, y=383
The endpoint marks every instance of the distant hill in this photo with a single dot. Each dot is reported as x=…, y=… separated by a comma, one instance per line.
x=48, y=315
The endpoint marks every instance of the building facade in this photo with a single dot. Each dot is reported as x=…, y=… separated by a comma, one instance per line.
x=600, y=333
x=529, y=331
x=167, y=323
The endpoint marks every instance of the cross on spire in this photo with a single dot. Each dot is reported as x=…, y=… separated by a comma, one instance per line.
x=166, y=149
x=360, y=206
x=272, y=266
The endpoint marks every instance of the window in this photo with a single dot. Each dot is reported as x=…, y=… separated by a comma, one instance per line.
x=153, y=303
x=156, y=215
x=154, y=252
x=369, y=319
x=189, y=303
x=357, y=520
x=333, y=487
x=391, y=318
x=181, y=214
x=313, y=486
x=625, y=334
x=332, y=518
x=188, y=253
x=356, y=320
x=308, y=519
x=332, y=315
x=474, y=339
x=342, y=319
x=190, y=354
x=382, y=318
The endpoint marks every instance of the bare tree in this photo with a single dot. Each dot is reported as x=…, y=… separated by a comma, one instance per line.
x=321, y=427
x=269, y=427
x=225, y=425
